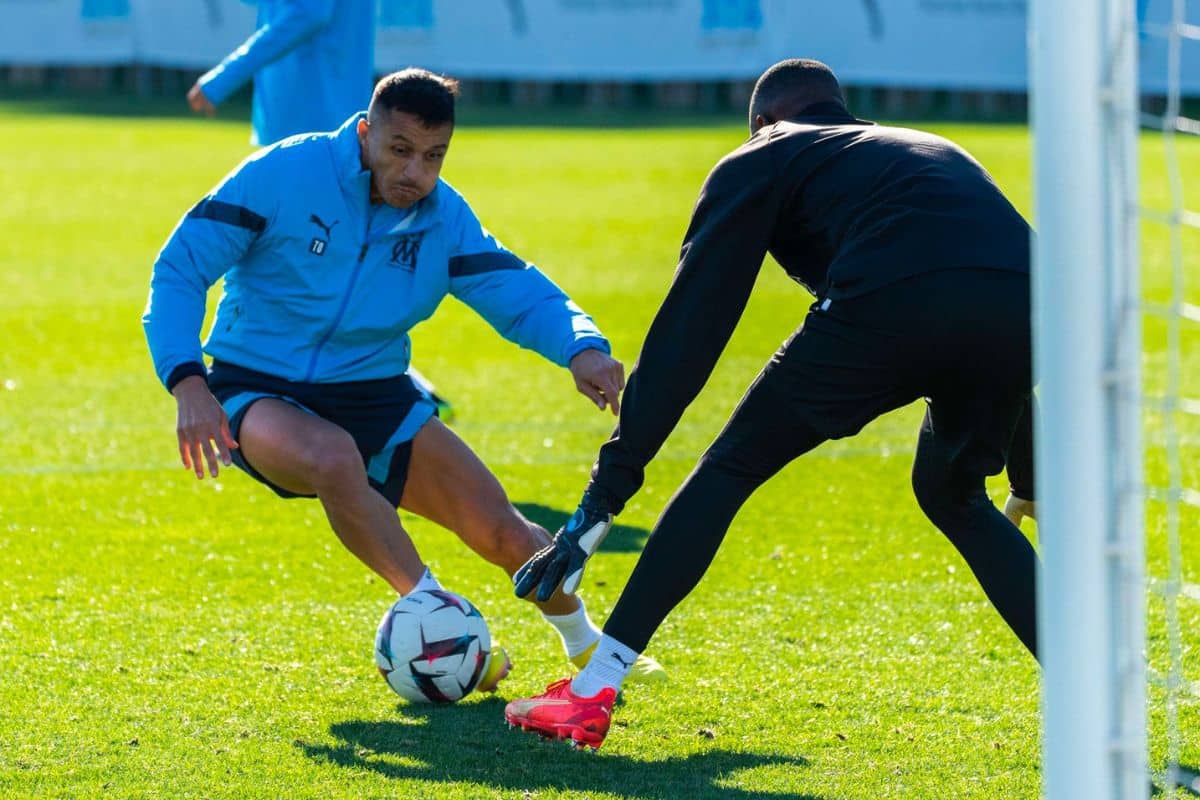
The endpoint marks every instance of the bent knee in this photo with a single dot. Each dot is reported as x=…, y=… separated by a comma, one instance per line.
x=945, y=495
x=735, y=464
x=332, y=462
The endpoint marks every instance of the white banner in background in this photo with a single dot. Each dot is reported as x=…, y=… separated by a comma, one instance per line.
x=951, y=44
x=66, y=32
x=579, y=39
x=947, y=44
x=192, y=34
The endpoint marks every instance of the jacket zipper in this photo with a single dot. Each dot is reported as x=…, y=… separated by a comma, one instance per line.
x=337, y=320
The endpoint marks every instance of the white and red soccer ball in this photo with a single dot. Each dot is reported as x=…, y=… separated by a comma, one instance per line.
x=432, y=647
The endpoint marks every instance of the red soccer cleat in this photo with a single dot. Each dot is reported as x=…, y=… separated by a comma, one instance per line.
x=559, y=713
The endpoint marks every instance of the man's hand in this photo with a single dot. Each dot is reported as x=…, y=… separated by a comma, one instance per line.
x=200, y=102
x=563, y=559
x=201, y=424
x=1016, y=509
x=600, y=378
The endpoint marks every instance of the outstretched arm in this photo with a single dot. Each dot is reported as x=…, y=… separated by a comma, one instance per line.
x=720, y=259
x=526, y=307
x=721, y=256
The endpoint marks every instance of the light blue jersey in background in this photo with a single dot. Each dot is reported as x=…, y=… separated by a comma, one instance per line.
x=312, y=63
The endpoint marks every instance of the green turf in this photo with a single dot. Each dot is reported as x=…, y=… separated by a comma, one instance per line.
x=167, y=638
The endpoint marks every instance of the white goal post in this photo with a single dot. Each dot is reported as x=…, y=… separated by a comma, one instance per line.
x=1087, y=344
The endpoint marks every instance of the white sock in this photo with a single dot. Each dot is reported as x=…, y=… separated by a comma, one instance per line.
x=427, y=583
x=578, y=632
x=609, y=666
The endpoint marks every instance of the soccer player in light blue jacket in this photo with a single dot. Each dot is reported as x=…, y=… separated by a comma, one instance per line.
x=332, y=247
x=321, y=50
x=302, y=47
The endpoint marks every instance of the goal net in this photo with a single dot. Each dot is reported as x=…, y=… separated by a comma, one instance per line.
x=1117, y=343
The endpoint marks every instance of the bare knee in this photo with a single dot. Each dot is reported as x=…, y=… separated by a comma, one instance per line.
x=334, y=465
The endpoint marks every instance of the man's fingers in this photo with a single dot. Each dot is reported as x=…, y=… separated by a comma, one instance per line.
x=592, y=393
x=521, y=586
x=610, y=390
x=526, y=577
x=550, y=580
x=230, y=442
x=226, y=442
x=531, y=571
x=546, y=589
x=210, y=455
x=196, y=454
x=223, y=453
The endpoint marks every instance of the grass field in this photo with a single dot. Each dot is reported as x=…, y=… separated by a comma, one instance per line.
x=167, y=638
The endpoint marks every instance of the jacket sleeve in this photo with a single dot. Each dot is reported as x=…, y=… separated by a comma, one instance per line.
x=214, y=235
x=721, y=256
x=516, y=298
x=297, y=21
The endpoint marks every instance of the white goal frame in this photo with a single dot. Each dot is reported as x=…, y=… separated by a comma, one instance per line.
x=1087, y=344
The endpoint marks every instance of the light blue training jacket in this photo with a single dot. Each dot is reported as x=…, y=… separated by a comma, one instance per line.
x=323, y=286
x=312, y=62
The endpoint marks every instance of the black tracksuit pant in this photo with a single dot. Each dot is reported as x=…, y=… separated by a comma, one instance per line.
x=960, y=339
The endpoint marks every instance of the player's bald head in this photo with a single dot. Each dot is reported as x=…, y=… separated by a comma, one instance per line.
x=790, y=86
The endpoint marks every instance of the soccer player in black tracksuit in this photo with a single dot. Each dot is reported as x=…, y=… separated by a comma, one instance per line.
x=920, y=269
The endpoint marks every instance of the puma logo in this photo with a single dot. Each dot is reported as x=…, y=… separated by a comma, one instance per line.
x=621, y=661
x=314, y=219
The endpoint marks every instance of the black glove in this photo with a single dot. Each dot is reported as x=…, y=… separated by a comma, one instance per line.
x=562, y=560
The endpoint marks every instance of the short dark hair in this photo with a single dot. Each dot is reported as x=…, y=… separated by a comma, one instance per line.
x=426, y=95
x=790, y=86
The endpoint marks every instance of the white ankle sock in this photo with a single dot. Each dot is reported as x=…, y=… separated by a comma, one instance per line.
x=427, y=583
x=609, y=666
x=578, y=632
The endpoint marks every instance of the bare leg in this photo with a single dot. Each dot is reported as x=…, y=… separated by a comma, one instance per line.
x=449, y=485
x=309, y=455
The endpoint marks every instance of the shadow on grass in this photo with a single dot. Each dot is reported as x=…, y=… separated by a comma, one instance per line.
x=1187, y=779
x=621, y=539
x=469, y=744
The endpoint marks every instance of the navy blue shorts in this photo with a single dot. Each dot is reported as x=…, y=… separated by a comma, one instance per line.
x=382, y=416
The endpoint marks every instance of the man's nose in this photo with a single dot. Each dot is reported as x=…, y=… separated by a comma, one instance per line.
x=415, y=169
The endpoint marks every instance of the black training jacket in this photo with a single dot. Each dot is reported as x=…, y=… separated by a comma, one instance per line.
x=846, y=207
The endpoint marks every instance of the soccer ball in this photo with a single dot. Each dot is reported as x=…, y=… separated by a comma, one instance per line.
x=432, y=647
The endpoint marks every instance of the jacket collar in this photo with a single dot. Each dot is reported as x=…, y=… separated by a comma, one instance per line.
x=829, y=113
